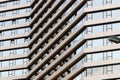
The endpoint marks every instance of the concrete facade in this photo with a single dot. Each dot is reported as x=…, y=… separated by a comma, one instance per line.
x=59, y=40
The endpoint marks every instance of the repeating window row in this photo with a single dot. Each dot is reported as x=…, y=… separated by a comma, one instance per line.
x=14, y=52
x=103, y=28
x=103, y=14
x=102, y=56
x=112, y=69
x=97, y=71
x=14, y=22
x=13, y=32
x=14, y=73
x=15, y=12
x=13, y=62
x=13, y=3
x=14, y=42
x=94, y=3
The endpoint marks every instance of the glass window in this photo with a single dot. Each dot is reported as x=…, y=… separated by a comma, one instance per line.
x=4, y=74
x=97, y=57
x=97, y=71
x=89, y=72
x=5, y=63
x=18, y=72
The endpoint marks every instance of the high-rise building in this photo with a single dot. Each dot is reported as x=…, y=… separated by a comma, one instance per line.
x=59, y=39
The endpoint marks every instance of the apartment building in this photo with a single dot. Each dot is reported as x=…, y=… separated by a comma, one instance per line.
x=59, y=39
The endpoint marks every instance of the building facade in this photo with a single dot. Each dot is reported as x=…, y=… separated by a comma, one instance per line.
x=59, y=39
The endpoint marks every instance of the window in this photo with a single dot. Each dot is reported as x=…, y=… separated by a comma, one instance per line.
x=27, y=20
x=89, y=58
x=109, y=69
x=89, y=72
x=108, y=27
x=89, y=3
x=89, y=17
x=28, y=1
x=15, y=12
x=25, y=51
x=24, y=72
x=89, y=30
x=1, y=44
x=1, y=54
x=89, y=44
x=11, y=63
x=13, y=32
x=108, y=14
x=13, y=42
x=108, y=55
x=16, y=2
x=14, y=22
x=28, y=10
x=2, y=14
x=26, y=30
x=4, y=74
x=26, y=40
x=12, y=52
x=25, y=61
x=2, y=5
x=108, y=1
x=2, y=24
x=10, y=73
